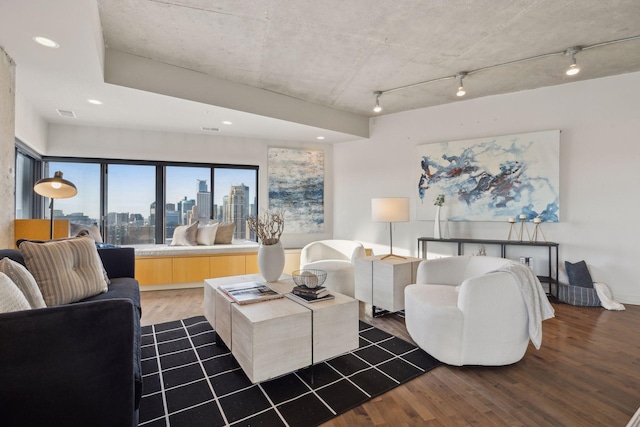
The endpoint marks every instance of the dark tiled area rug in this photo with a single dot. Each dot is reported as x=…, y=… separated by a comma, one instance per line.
x=190, y=381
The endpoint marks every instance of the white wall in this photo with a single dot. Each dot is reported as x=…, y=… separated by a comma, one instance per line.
x=599, y=172
x=31, y=128
x=113, y=143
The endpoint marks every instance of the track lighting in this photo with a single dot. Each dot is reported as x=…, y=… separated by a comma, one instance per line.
x=377, y=107
x=571, y=71
x=461, y=91
x=573, y=68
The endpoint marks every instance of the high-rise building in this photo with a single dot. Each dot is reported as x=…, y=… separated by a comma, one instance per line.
x=184, y=208
x=203, y=200
x=237, y=209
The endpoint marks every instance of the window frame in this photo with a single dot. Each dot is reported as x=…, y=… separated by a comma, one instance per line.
x=160, y=192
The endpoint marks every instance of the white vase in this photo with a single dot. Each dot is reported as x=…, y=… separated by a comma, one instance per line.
x=271, y=261
x=436, y=224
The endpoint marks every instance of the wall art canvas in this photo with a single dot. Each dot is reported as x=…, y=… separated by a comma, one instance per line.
x=491, y=179
x=296, y=184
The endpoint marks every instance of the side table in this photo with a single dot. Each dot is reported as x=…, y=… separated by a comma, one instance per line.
x=381, y=282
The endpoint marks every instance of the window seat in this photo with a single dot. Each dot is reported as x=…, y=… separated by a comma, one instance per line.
x=171, y=267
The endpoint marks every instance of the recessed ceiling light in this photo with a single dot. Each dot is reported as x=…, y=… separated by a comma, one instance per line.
x=320, y=137
x=46, y=42
x=94, y=101
x=227, y=122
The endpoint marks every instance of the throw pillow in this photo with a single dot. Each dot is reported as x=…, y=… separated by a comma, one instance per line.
x=206, y=234
x=93, y=230
x=578, y=274
x=185, y=235
x=21, y=277
x=66, y=271
x=225, y=232
x=11, y=299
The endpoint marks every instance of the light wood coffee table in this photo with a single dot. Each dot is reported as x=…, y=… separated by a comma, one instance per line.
x=272, y=338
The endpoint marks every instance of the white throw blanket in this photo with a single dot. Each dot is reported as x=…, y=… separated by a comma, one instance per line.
x=538, y=306
x=606, y=297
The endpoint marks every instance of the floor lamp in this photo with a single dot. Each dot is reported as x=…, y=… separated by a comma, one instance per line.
x=55, y=188
x=390, y=209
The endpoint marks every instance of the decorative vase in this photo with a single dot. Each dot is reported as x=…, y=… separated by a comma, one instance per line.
x=271, y=261
x=436, y=224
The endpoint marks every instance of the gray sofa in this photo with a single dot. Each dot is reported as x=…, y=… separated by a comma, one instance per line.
x=76, y=364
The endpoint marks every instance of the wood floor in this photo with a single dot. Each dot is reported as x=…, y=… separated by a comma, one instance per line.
x=587, y=373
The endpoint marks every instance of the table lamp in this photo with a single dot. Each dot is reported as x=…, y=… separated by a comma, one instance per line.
x=390, y=209
x=55, y=188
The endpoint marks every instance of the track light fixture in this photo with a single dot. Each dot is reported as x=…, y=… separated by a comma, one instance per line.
x=573, y=68
x=571, y=71
x=377, y=107
x=460, y=76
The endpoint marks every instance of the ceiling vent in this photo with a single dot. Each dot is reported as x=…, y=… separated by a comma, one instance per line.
x=66, y=113
x=210, y=129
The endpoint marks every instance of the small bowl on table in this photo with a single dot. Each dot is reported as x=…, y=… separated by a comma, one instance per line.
x=309, y=277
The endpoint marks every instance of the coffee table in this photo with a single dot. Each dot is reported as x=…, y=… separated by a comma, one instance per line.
x=273, y=338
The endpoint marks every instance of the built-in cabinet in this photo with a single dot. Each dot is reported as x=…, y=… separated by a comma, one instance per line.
x=168, y=270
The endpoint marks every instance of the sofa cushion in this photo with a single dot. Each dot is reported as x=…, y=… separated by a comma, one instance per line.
x=578, y=274
x=224, y=235
x=123, y=288
x=185, y=235
x=11, y=298
x=24, y=281
x=66, y=271
x=206, y=234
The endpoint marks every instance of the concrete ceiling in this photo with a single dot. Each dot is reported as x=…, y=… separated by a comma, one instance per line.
x=296, y=69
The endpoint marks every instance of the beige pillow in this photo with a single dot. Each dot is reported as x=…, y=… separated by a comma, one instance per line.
x=92, y=230
x=24, y=281
x=185, y=235
x=66, y=271
x=224, y=235
x=11, y=299
x=206, y=234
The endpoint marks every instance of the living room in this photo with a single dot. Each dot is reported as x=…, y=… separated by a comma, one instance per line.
x=598, y=123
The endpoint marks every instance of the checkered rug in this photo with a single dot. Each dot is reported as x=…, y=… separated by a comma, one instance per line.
x=191, y=381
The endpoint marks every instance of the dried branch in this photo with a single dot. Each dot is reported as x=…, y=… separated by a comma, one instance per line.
x=268, y=226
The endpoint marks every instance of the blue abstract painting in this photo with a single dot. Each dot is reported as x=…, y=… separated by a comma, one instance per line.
x=491, y=179
x=296, y=184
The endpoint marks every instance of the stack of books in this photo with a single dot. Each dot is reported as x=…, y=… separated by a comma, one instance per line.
x=311, y=294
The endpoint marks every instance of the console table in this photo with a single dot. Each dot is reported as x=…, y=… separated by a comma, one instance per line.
x=551, y=278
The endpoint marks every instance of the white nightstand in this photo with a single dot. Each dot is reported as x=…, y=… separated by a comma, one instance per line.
x=381, y=282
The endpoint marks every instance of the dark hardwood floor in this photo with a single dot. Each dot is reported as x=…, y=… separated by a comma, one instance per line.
x=587, y=373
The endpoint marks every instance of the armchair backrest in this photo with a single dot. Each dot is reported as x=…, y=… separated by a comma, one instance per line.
x=344, y=250
x=455, y=270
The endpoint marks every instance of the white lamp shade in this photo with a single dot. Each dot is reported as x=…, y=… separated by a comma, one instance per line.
x=390, y=209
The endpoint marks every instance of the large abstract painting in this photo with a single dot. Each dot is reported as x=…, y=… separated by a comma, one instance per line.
x=491, y=179
x=296, y=184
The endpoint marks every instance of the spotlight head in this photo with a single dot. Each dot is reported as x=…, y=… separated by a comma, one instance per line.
x=460, y=76
x=461, y=91
x=573, y=68
x=377, y=108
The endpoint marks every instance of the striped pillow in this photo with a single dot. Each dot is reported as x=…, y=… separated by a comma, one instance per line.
x=66, y=270
x=11, y=299
x=24, y=281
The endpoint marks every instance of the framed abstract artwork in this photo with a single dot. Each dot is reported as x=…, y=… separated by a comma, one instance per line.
x=491, y=179
x=296, y=184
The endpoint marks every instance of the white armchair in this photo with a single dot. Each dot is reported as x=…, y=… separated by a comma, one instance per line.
x=463, y=316
x=337, y=258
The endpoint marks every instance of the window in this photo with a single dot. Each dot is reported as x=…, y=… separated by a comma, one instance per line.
x=84, y=207
x=26, y=177
x=125, y=197
x=188, y=197
x=235, y=198
x=131, y=204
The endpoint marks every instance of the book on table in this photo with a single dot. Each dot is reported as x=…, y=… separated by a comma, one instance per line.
x=250, y=292
x=311, y=298
x=315, y=292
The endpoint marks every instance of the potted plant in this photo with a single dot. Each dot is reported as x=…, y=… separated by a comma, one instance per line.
x=269, y=226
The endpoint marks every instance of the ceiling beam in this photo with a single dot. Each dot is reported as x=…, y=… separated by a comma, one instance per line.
x=135, y=72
